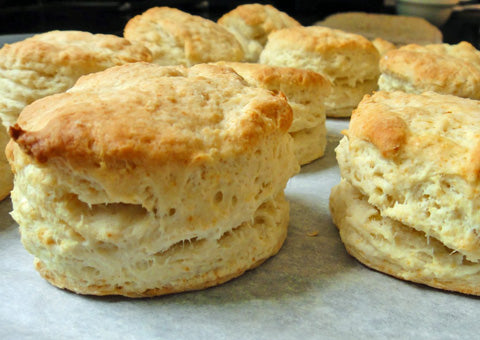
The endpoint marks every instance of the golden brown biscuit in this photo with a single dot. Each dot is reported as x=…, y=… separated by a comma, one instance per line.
x=414, y=158
x=348, y=61
x=442, y=68
x=252, y=23
x=398, y=29
x=151, y=180
x=179, y=38
x=51, y=62
x=306, y=92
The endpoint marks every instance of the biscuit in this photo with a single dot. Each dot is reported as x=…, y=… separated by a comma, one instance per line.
x=442, y=68
x=252, y=23
x=51, y=62
x=151, y=180
x=179, y=38
x=6, y=176
x=305, y=91
x=398, y=29
x=415, y=158
x=348, y=61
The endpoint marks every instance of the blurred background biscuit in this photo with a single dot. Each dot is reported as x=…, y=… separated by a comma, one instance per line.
x=349, y=61
x=252, y=23
x=442, y=68
x=51, y=62
x=179, y=38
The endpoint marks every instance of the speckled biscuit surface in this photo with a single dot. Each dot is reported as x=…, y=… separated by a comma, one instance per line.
x=305, y=91
x=442, y=68
x=348, y=61
x=415, y=159
x=134, y=163
x=51, y=62
x=179, y=38
x=252, y=23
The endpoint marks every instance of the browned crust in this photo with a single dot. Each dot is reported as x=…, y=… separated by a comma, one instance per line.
x=274, y=76
x=124, y=126
x=384, y=129
x=383, y=119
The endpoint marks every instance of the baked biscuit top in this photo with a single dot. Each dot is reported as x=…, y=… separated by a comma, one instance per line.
x=434, y=131
x=81, y=52
x=339, y=55
x=286, y=79
x=179, y=38
x=443, y=68
x=252, y=23
x=264, y=17
x=321, y=39
x=145, y=113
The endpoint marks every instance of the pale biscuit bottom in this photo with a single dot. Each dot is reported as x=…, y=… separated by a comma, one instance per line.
x=189, y=265
x=309, y=144
x=6, y=175
x=442, y=205
x=391, y=247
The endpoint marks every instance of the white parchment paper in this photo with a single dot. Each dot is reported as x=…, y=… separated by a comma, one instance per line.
x=311, y=290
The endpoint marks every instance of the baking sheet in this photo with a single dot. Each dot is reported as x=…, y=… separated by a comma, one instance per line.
x=311, y=289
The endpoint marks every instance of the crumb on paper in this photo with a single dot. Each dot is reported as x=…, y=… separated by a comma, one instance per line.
x=312, y=233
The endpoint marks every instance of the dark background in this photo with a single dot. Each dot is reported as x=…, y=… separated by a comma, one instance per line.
x=29, y=16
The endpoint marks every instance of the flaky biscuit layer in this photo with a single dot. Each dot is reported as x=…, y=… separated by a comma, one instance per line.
x=393, y=248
